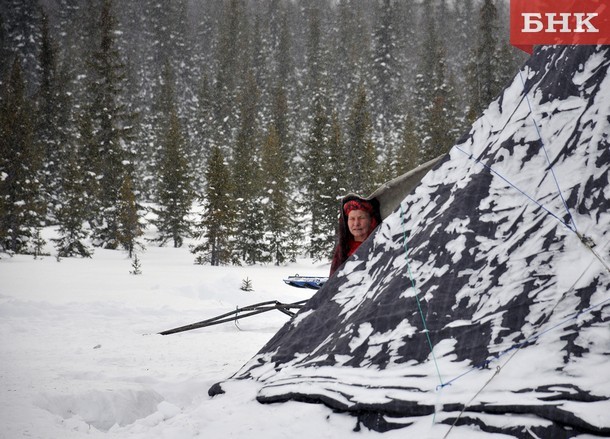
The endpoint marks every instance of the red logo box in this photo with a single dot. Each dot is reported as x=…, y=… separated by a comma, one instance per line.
x=559, y=22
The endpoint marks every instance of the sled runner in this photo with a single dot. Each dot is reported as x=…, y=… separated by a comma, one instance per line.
x=239, y=313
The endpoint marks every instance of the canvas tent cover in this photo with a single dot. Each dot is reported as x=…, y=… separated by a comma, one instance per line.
x=486, y=291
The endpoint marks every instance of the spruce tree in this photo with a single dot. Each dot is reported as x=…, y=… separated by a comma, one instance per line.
x=5, y=52
x=296, y=52
x=175, y=193
x=111, y=124
x=361, y=154
x=315, y=56
x=408, y=154
x=466, y=21
x=73, y=27
x=72, y=212
x=231, y=56
x=216, y=226
x=337, y=152
x=136, y=265
x=435, y=101
x=483, y=69
x=284, y=56
x=387, y=87
x=315, y=126
x=203, y=131
x=23, y=39
x=335, y=181
x=352, y=53
x=276, y=197
x=407, y=36
x=249, y=244
x=20, y=162
x=318, y=164
x=86, y=145
x=491, y=65
x=148, y=55
x=387, y=81
x=47, y=112
x=38, y=243
x=129, y=228
x=281, y=122
x=52, y=116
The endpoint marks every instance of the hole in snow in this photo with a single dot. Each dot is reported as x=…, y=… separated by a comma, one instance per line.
x=103, y=409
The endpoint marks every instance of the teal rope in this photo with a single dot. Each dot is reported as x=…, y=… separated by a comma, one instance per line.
x=421, y=312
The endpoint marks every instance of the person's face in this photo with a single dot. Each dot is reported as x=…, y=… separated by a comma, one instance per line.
x=359, y=223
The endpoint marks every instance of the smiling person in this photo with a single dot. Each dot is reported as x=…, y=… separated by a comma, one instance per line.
x=359, y=217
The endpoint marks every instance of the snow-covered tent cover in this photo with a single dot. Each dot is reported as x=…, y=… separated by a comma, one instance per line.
x=483, y=300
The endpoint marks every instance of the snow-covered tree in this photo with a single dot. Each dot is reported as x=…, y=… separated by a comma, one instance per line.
x=20, y=162
x=491, y=64
x=112, y=125
x=174, y=187
x=387, y=75
x=231, y=59
x=93, y=73
x=73, y=206
x=334, y=180
x=175, y=193
x=434, y=98
x=5, y=52
x=361, y=157
x=245, y=172
x=53, y=112
x=325, y=157
x=409, y=151
x=482, y=71
x=276, y=198
x=352, y=52
x=216, y=227
x=23, y=35
x=129, y=228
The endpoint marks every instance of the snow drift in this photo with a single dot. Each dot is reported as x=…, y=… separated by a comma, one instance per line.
x=483, y=299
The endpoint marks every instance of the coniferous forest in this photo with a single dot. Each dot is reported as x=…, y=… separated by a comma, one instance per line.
x=235, y=124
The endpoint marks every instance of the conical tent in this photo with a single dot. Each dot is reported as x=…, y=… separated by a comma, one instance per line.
x=486, y=292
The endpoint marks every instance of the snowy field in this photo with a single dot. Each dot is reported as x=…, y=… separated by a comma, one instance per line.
x=81, y=356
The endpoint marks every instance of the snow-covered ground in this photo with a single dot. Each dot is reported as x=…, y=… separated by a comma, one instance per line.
x=80, y=355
